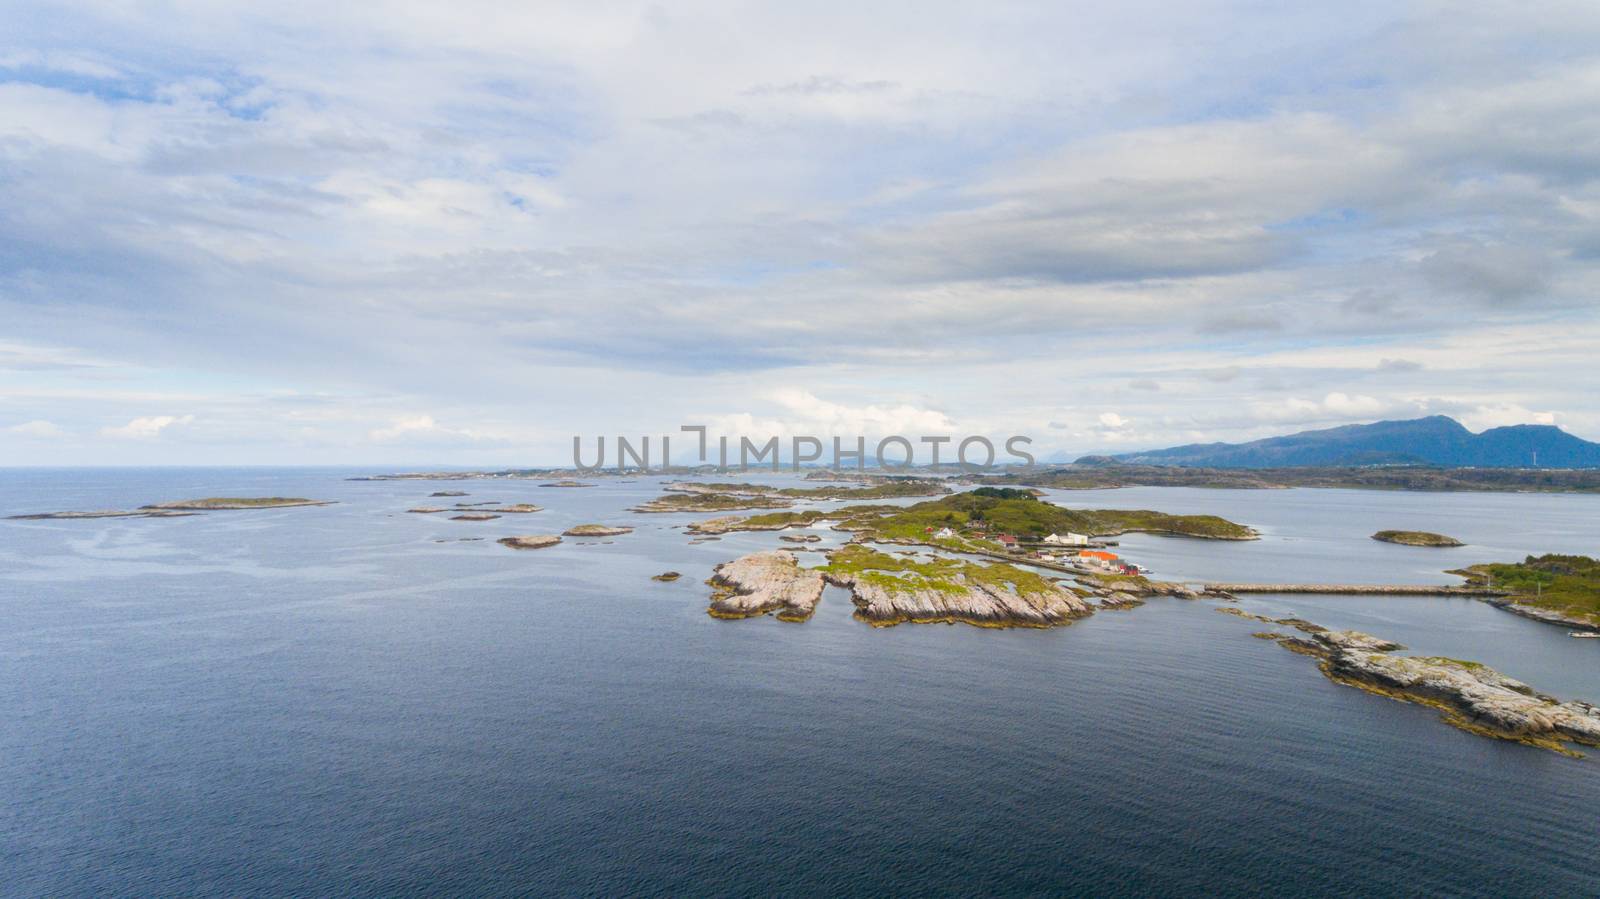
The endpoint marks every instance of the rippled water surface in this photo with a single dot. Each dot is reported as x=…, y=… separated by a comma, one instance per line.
x=331, y=700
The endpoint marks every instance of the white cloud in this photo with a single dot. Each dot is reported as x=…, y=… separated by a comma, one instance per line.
x=425, y=429
x=146, y=428
x=38, y=428
x=938, y=226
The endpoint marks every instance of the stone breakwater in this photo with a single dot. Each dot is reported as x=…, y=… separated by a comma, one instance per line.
x=1356, y=589
x=1468, y=695
x=765, y=582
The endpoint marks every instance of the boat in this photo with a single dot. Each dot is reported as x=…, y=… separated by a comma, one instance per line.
x=1589, y=634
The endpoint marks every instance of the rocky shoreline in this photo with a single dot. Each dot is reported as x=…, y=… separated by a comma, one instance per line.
x=886, y=594
x=1469, y=695
x=181, y=508
x=596, y=530
x=710, y=502
x=1547, y=616
x=530, y=541
x=762, y=583
x=1416, y=538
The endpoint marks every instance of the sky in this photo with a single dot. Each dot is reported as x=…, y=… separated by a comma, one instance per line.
x=462, y=234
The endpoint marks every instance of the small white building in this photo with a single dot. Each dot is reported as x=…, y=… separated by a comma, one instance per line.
x=945, y=532
x=1070, y=540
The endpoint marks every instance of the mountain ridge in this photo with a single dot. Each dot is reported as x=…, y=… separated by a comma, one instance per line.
x=1432, y=440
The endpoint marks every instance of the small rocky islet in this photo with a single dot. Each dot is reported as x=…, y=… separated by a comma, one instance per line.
x=889, y=590
x=530, y=541
x=762, y=583
x=1416, y=538
x=1468, y=695
x=183, y=508
x=596, y=530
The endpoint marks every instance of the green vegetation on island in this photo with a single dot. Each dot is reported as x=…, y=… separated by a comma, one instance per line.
x=1416, y=538
x=944, y=575
x=884, y=490
x=1019, y=513
x=216, y=503
x=709, y=502
x=971, y=518
x=1565, y=587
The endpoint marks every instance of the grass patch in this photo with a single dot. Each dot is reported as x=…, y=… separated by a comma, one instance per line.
x=1566, y=584
x=1001, y=510
x=900, y=573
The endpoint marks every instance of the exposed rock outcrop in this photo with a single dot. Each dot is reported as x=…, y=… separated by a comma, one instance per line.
x=106, y=513
x=595, y=530
x=1416, y=538
x=474, y=516
x=889, y=590
x=710, y=502
x=765, y=582
x=182, y=508
x=1469, y=695
x=1120, y=599
x=666, y=576
x=530, y=541
x=229, y=503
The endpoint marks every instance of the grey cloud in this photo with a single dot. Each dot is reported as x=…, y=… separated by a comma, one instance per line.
x=819, y=85
x=1398, y=365
x=1241, y=322
x=1495, y=275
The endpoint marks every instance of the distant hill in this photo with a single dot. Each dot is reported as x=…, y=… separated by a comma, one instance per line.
x=1435, y=440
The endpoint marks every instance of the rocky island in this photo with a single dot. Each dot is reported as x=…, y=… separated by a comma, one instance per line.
x=1556, y=589
x=889, y=590
x=229, y=503
x=763, y=583
x=1469, y=695
x=474, y=516
x=530, y=541
x=880, y=490
x=1416, y=538
x=182, y=508
x=710, y=502
x=105, y=513
x=972, y=521
x=595, y=530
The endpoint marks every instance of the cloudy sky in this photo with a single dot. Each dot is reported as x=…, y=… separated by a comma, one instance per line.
x=462, y=233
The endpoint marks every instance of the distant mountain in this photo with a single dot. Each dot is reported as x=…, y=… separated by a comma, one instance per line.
x=1435, y=440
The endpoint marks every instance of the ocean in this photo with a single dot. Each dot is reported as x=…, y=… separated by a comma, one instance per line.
x=353, y=700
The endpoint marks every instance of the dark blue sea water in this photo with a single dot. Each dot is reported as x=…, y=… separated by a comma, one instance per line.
x=328, y=701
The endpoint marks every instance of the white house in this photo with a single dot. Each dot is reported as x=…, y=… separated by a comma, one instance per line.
x=1070, y=540
x=945, y=532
